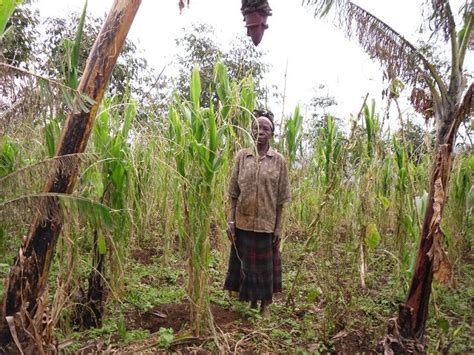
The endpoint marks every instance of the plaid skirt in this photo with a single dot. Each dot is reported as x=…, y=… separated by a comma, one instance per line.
x=254, y=266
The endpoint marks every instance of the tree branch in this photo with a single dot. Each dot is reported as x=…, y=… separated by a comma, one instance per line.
x=466, y=38
x=451, y=27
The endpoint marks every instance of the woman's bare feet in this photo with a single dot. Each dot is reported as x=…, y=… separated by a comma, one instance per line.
x=264, y=312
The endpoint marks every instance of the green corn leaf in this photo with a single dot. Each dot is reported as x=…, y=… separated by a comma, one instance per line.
x=372, y=237
x=195, y=88
x=180, y=164
x=188, y=117
x=223, y=88
x=118, y=175
x=101, y=245
x=130, y=114
x=198, y=126
x=410, y=226
x=218, y=163
x=213, y=135
x=222, y=82
x=71, y=63
x=78, y=38
x=52, y=133
x=247, y=97
x=101, y=136
x=6, y=10
x=72, y=72
x=175, y=124
x=470, y=163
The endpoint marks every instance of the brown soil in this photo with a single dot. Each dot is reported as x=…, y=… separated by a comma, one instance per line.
x=146, y=255
x=353, y=343
x=176, y=316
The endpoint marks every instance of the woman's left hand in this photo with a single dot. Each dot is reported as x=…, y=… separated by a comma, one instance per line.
x=276, y=236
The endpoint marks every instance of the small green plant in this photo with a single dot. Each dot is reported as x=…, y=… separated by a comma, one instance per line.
x=166, y=337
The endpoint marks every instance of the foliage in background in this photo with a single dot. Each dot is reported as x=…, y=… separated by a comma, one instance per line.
x=198, y=46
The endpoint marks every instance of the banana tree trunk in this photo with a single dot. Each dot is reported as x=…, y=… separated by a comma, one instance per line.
x=405, y=333
x=431, y=258
x=26, y=283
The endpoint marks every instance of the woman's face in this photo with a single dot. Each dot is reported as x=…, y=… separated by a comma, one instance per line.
x=262, y=130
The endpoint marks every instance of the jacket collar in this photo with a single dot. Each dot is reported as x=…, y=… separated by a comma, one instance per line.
x=251, y=152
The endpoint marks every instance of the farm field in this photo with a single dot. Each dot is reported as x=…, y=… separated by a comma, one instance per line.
x=114, y=196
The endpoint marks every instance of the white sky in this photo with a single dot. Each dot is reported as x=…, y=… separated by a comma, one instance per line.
x=316, y=51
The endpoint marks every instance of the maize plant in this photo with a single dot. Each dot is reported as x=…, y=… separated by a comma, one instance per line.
x=327, y=167
x=197, y=145
x=293, y=135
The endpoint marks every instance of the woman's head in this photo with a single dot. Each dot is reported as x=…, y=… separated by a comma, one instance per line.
x=262, y=127
x=264, y=113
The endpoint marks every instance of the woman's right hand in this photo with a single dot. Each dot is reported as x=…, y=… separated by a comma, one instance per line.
x=231, y=230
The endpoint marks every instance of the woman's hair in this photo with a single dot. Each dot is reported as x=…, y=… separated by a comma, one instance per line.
x=265, y=113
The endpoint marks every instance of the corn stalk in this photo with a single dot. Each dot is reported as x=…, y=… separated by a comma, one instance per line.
x=197, y=141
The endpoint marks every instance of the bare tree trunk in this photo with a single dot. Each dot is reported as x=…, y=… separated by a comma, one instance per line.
x=26, y=282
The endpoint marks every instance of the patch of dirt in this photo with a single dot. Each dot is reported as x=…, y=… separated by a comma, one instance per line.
x=146, y=255
x=351, y=343
x=176, y=316
x=147, y=280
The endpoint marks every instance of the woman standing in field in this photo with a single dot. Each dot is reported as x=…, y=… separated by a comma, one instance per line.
x=258, y=189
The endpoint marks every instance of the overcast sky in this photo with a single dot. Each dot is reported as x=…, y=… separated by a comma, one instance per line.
x=315, y=50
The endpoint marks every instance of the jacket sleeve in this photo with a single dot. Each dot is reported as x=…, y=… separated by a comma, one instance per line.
x=284, y=194
x=234, y=190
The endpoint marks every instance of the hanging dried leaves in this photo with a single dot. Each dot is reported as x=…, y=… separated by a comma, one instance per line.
x=401, y=60
x=260, y=6
x=437, y=17
x=422, y=101
x=181, y=5
x=442, y=270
